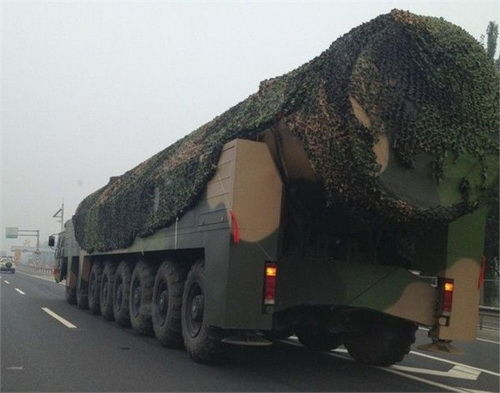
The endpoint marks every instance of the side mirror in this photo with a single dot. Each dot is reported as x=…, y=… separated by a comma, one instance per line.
x=52, y=241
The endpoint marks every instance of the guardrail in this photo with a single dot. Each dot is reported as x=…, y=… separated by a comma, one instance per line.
x=494, y=310
x=490, y=294
x=491, y=315
x=41, y=269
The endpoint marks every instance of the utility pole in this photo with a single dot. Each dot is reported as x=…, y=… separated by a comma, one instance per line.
x=60, y=214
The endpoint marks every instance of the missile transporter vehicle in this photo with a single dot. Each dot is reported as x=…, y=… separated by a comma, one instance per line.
x=342, y=203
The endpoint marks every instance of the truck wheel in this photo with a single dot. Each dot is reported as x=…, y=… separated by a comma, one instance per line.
x=82, y=300
x=106, y=290
x=203, y=343
x=166, y=303
x=70, y=295
x=381, y=344
x=318, y=338
x=95, y=279
x=141, y=293
x=121, y=294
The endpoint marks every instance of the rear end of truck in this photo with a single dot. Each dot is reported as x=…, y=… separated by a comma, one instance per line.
x=321, y=274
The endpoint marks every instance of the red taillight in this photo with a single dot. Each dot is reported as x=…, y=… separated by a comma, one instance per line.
x=480, y=279
x=446, y=286
x=235, y=227
x=271, y=271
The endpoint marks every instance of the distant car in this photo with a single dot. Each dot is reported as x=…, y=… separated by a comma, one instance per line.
x=7, y=265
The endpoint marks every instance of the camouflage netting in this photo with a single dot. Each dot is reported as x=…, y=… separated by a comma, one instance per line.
x=423, y=81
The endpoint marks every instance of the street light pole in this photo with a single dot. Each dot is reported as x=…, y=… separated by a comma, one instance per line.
x=60, y=214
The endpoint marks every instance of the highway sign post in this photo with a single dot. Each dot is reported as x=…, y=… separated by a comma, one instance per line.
x=15, y=232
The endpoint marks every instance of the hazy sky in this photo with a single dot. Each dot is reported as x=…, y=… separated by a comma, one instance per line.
x=91, y=89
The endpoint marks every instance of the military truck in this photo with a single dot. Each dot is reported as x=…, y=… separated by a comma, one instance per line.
x=342, y=203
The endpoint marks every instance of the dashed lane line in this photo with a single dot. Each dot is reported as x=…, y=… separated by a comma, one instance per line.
x=59, y=318
x=18, y=290
x=15, y=368
x=7, y=282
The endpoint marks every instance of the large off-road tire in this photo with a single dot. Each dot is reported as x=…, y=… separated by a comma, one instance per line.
x=381, y=344
x=203, y=343
x=121, y=293
x=318, y=338
x=141, y=295
x=106, y=290
x=70, y=295
x=94, y=290
x=166, y=303
x=82, y=300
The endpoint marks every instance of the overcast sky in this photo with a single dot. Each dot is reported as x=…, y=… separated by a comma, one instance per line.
x=91, y=89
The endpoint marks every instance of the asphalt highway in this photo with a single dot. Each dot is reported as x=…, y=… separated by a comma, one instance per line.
x=49, y=345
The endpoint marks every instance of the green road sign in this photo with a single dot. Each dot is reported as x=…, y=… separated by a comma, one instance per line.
x=11, y=232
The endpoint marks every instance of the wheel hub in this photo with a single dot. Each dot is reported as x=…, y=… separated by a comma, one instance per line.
x=162, y=303
x=194, y=307
x=197, y=308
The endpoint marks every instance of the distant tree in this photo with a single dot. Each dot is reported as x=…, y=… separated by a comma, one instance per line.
x=491, y=250
x=491, y=243
x=492, y=37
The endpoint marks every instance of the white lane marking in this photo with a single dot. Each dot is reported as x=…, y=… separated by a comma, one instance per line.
x=59, y=318
x=448, y=388
x=476, y=391
x=474, y=369
x=455, y=363
x=15, y=368
x=18, y=290
x=488, y=341
x=455, y=372
x=5, y=281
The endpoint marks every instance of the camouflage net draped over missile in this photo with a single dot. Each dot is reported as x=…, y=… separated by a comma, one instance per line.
x=424, y=82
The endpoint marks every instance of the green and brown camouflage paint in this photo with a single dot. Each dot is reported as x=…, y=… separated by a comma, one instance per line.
x=418, y=88
x=389, y=135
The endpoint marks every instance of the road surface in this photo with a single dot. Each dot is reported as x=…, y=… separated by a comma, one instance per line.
x=49, y=345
